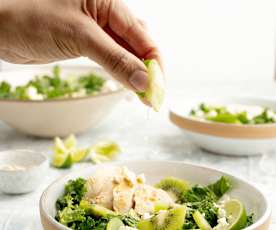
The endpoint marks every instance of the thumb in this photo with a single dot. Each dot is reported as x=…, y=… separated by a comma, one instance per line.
x=120, y=63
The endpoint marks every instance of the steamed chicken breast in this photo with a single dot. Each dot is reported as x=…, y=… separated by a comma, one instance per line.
x=146, y=197
x=100, y=186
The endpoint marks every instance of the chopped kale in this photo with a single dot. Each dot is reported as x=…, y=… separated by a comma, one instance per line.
x=220, y=187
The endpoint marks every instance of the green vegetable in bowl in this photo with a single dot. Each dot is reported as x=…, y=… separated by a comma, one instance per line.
x=223, y=114
x=196, y=207
x=54, y=87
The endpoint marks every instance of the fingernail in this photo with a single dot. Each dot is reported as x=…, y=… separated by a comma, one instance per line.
x=139, y=80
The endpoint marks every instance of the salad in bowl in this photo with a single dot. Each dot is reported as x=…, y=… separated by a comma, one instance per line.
x=115, y=198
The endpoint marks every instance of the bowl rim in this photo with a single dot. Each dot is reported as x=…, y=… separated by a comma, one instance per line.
x=262, y=221
x=219, y=129
x=43, y=161
x=120, y=88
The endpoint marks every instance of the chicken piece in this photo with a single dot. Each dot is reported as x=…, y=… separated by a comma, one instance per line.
x=100, y=186
x=145, y=198
x=123, y=197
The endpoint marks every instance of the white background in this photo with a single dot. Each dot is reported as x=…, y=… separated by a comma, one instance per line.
x=202, y=40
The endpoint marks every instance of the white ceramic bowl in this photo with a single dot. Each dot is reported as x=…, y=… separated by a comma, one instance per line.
x=49, y=118
x=229, y=139
x=154, y=171
x=33, y=167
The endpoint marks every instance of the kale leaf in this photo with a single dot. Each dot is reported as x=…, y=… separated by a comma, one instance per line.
x=220, y=187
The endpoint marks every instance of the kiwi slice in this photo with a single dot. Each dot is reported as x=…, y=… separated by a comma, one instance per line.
x=160, y=206
x=172, y=219
x=114, y=224
x=145, y=225
x=175, y=187
x=96, y=210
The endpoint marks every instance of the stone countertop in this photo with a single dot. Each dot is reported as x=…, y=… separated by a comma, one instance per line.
x=142, y=135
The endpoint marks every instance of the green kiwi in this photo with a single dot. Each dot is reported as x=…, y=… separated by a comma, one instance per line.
x=172, y=219
x=145, y=225
x=160, y=206
x=96, y=210
x=175, y=187
x=114, y=224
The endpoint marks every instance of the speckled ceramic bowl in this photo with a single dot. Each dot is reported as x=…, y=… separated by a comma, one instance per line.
x=60, y=117
x=21, y=171
x=253, y=199
x=222, y=138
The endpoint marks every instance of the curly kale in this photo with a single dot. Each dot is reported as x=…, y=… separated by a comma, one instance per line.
x=74, y=191
x=203, y=199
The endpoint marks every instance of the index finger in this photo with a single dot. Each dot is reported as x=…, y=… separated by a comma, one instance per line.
x=124, y=24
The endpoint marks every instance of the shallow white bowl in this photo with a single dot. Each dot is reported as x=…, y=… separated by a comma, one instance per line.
x=49, y=118
x=22, y=180
x=154, y=171
x=229, y=139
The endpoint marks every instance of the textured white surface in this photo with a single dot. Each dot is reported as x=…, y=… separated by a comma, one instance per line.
x=142, y=135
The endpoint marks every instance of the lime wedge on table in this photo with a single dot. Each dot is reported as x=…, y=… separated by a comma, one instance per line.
x=201, y=222
x=236, y=214
x=62, y=160
x=156, y=89
x=79, y=154
x=59, y=147
x=70, y=142
x=108, y=149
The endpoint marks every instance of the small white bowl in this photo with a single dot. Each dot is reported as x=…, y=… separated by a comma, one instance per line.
x=222, y=138
x=21, y=171
x=60, y=117
x=253, y=199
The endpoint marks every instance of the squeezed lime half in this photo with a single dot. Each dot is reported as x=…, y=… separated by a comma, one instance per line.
x=236, y=214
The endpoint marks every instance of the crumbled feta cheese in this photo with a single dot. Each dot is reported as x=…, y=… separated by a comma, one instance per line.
x=33, y=94
x=271, y=114
x=146, y=216
x=199, y=114
x=212, y=113
x=221, y=213
x=108, y=86
x=80, y=93
x=222, y=224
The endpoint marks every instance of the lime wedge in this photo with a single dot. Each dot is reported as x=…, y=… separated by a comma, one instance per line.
x=236, y=214
x=70, y=142
x=59, y=147
x=79, y=155
x=156, y=89
x=201, y=222
x=62, y=160
x=108, y=149
x=114, y=224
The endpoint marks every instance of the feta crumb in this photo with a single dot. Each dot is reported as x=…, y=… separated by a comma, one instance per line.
x=222, y=224
x=199, y=114
x=108, y=86
x=146, y=216
x=33, y=94
x=212, y=113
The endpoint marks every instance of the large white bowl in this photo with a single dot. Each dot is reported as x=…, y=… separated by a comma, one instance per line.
x=229, y=139
x=154, y=171
x=60, y=117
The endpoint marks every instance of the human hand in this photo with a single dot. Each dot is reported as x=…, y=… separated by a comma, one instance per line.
x=43, y=31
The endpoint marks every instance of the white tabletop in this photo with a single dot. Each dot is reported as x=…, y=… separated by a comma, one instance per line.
x=141, y=136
